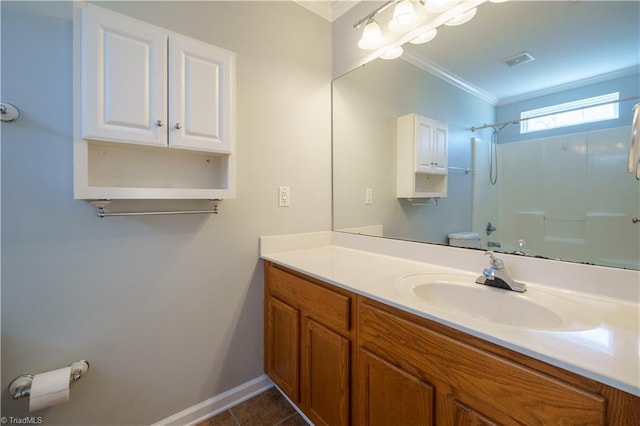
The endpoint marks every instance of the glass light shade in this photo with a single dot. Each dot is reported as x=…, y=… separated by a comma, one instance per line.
x=462, y=18
x=498, y=1
x=392, y=53
x=371, y=36
x=437, y=6
x=425, y=37
x=404, y=17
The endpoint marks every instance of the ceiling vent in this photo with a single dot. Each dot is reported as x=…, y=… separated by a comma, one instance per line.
x=518, y=58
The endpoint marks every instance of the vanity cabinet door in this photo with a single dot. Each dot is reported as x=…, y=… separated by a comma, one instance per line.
x=308, y=341
x=386, y=395
x=124, y=79
x=282, y=346
x=325, y=374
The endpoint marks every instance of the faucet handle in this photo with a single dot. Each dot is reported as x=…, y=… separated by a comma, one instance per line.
x=495, y=262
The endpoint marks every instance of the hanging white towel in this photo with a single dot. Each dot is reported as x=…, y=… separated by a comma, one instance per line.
x=634, y=149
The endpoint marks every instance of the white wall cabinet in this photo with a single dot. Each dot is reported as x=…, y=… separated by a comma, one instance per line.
x=153, y=111
x=421, y=157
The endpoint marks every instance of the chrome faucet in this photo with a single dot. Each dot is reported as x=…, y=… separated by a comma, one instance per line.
x=496, y=276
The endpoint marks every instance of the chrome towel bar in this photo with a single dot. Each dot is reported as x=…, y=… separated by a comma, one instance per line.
x=466, y=170
x=429, y=201
x=101, y=204
x=102, y=213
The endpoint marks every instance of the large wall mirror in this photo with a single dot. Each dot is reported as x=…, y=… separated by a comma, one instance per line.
x=556, y=192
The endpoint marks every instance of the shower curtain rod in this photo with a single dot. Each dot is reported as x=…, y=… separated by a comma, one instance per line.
x=499, y=126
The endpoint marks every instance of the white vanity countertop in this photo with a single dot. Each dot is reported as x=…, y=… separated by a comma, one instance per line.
x=607, y=350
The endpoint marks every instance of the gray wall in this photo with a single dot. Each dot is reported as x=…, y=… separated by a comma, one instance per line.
x=168, y=310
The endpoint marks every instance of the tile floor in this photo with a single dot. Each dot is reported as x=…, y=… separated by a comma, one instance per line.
x=268, y=408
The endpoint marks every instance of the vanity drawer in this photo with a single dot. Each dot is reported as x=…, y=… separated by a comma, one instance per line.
x=330, y=307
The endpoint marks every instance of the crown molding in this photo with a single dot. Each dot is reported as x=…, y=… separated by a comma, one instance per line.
x=573, y=85
x=430, y=67
x=329, y=10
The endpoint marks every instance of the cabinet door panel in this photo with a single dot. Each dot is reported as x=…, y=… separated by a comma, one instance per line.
x=424, y=145
x=325, y=375
x=387, y=395
x=440, y=147
x=128, y=96
x=282, y=340
x=199, y=96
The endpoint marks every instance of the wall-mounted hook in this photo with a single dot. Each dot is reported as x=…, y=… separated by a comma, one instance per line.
x=8, y=112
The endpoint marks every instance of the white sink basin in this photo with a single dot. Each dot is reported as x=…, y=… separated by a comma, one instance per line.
x=459, y=295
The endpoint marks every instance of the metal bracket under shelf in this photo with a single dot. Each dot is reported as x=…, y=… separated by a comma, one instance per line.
x=102, y=204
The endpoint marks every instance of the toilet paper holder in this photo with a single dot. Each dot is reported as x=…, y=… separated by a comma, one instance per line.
x=20, y=387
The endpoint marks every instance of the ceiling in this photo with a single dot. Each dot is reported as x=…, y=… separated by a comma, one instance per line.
x=570, y=40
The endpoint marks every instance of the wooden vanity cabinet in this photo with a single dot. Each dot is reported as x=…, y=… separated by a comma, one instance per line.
x=446, y=377
x=346, y=359
x=308, y=343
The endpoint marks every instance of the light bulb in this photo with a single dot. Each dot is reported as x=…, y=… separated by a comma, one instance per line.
x=371, y=36
x=392, y=53
x=462, y=18
x=404, y=17
x=437, y=6
x=425, y=37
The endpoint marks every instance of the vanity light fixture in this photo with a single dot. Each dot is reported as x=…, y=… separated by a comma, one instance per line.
x=371, y=36
x=462, y=18
x=425, y=37
x=413, y=21
x=392, y=53
x=437, y=6
x=404, y=17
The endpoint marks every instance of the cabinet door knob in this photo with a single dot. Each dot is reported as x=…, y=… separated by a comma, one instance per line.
x=159, y=123
x=178, y=126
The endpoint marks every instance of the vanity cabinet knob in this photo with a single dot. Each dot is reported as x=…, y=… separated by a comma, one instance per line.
x=159, y=123
x=178, y=126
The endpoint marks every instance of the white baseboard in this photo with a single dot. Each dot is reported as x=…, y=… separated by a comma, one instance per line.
x=295, y=407
x=218, y=403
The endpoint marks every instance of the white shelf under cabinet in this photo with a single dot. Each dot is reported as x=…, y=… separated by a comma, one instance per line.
x=117, y=171
x=152, y=112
